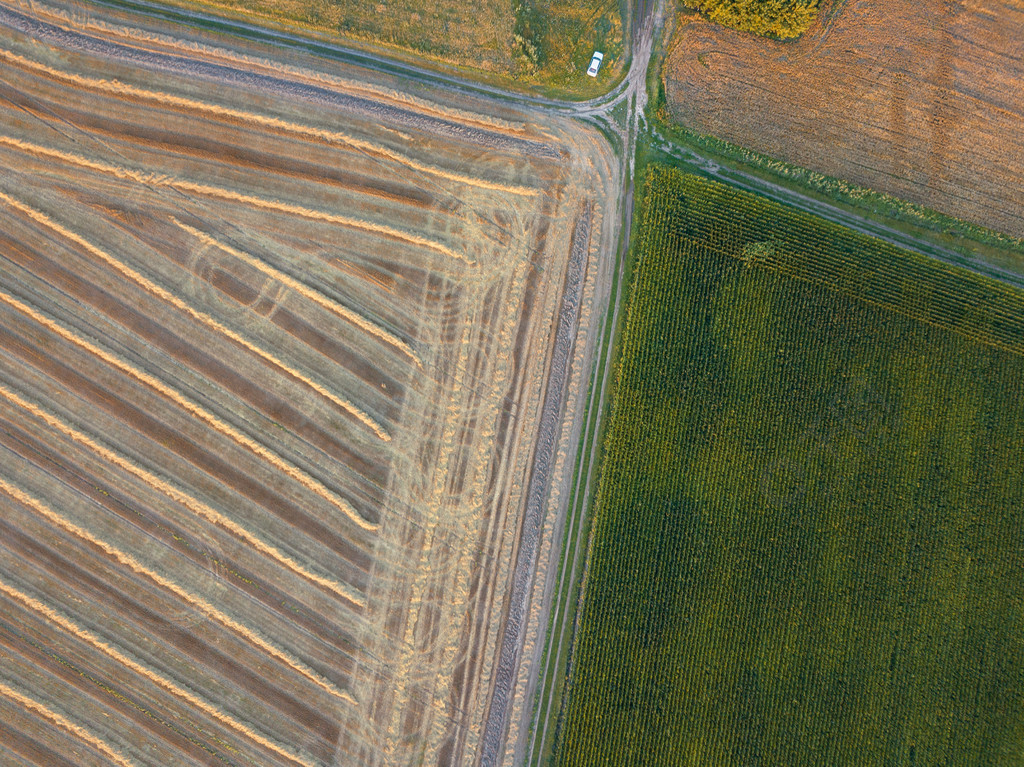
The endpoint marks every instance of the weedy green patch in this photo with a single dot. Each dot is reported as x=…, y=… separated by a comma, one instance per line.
x=808, y=543
x=557, y=37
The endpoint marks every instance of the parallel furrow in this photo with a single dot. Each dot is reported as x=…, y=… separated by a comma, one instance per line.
x=181, y=185
x=123, y=89
x=153, y=676
x=193, y=600
x=307, y=481
x=317, y=297
x=63, y=722
x=196, y=314
x=192, y=504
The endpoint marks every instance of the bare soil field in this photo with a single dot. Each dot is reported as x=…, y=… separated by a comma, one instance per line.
x=274, y=348
x=921, y=100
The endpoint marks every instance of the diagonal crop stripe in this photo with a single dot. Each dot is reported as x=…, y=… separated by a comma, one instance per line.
x=148, y=673
x=193, y=504
x=192, y=407
x=206, y=319
x=63, y=722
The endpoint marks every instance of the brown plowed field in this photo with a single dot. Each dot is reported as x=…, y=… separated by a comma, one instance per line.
x=921, y=99
x=273, y=348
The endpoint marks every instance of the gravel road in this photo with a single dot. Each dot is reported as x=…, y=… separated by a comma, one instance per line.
x=536, y=498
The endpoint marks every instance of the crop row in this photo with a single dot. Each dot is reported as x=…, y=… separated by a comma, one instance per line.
x=809, y=512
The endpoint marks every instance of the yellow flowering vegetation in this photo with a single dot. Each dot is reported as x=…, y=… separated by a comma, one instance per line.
x=771, y=18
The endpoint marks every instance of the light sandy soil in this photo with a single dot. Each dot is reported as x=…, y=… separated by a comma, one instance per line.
x=918, y=98
x=274, y=346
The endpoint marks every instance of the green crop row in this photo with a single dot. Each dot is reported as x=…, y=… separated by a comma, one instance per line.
x=808, y=545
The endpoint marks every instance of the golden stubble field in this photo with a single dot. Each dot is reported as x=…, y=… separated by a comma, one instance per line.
x=273, y=348
x=920, y=99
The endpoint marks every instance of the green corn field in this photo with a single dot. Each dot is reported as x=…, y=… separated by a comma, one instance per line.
x=808, y=546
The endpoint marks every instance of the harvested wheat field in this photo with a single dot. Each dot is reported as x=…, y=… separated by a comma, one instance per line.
x=921, y=99
x=273, y=349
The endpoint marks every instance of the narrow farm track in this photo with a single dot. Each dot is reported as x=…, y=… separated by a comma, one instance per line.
x=274, y=346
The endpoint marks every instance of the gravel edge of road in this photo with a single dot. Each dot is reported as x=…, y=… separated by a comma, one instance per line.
x=493, y=737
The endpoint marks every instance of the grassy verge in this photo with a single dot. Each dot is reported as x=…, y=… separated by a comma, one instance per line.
x=563, y=34
x=539, y=46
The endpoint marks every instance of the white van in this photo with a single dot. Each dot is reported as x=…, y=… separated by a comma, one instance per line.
x=595, y=63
